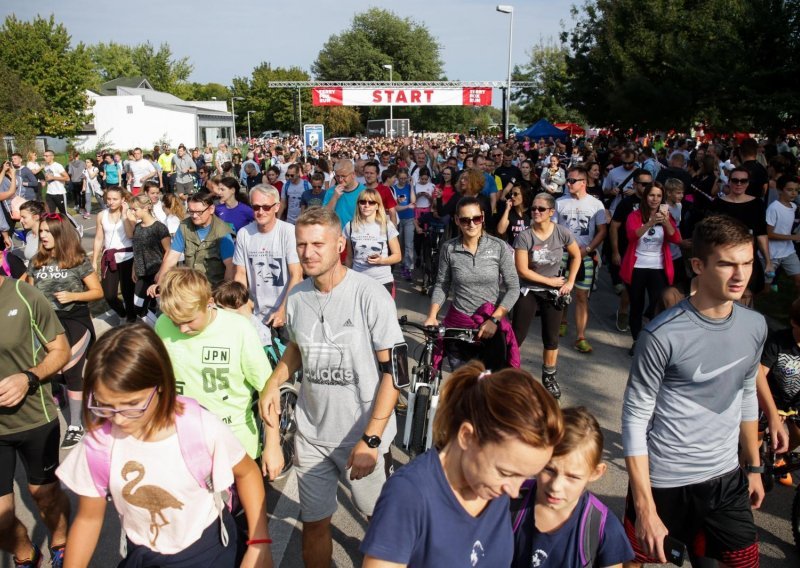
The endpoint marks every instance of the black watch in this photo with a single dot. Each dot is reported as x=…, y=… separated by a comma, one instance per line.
x=754, y=468
x=372, y=441
x=33, y=382
x=495, y=321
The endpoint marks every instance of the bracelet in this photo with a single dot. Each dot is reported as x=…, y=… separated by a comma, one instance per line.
x=258, y=541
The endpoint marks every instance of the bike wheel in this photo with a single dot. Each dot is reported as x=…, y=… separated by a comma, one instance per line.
x=796, y=519
x=416, y=443
x=287, y=426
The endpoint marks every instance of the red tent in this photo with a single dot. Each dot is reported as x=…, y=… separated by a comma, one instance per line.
x=571, y=128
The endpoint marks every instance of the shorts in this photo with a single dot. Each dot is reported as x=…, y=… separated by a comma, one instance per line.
x=37, y=448
x=790, y=264
x=185, y=188
x=712, y=518
x=585, y=278
x=319, y=470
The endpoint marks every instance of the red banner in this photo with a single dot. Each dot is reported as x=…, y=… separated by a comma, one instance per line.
x=340, y=96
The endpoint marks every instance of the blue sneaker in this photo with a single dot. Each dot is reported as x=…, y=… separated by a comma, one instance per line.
x=57, y=556
x=34, y=562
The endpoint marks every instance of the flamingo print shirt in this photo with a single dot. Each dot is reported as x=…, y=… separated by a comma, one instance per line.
x=160, y=504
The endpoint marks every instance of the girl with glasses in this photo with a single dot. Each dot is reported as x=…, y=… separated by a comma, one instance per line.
x=132, y=411
x=372, y=240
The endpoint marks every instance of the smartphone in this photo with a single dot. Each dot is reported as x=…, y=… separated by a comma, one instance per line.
x=674, y=550
x=664, y=208
x=400, y=376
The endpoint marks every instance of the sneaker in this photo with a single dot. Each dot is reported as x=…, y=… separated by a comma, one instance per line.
x=583, y=346
x=562, y=330
x=34, y=562
x=632, y=349
x=622, y=321
x=57, y=556
x=551, y=384
x=86, y=215
x=72, y=437
x=786, y=478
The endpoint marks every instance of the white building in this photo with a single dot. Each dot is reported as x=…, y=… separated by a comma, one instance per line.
x=128, y=112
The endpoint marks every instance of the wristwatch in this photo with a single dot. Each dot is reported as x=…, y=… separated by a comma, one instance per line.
x=589, y=249
x=494, y=320
x=33, y=382
x=371, y=441
x=754, y=468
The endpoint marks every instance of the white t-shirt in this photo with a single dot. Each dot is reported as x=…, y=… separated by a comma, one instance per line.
x=367, y=240
x=422, y=200
x=781, y=218
x=115, y=236
x=55, y=187
x=267, y=257
x=649, y=249
x=292, y=192
x=151, y=478
x=138, y=169
x=159, y=213
x=581, y=217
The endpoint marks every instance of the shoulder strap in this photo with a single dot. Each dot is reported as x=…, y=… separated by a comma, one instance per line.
x=591, y=530
x=522, y=504
x=192, y=440
x=98, y=444
x=627, y=179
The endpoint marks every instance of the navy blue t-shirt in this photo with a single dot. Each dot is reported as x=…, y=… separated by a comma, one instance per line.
x=419, y=522
x=560, y=549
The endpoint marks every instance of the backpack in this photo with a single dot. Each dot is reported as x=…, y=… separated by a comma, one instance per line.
x=591, y=527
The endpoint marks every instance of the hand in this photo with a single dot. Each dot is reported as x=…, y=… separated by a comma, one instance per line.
x=756, y=488
x=650, y=533
x=272, y=462
x=487, y=330
x=430, y=322
x=13, y=390
x=257, y=556
x=153, y=291
x=584, y=252
x=657, y=219
x=339, y=190
x=566, y=289
x=769, y=267
x=616, y=259
x=780, y=436
x=64, y=297
x=614, y=191
x=269, y=404
x=278, y=318
x=556, y=281
x=362, y=460
x=375, y=260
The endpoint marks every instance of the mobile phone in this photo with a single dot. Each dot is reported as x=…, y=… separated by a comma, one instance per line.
x=674, y=550
x=664, y=208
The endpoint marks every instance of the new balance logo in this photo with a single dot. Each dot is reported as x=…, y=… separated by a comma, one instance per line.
x=348, y=323
x=12, y=313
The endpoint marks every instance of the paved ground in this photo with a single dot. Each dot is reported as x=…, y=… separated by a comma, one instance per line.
x=596, y=381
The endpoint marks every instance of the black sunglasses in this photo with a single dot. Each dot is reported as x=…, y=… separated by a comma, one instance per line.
x=258, y=208
x=367, y=202
x=466, y=221
x=739, y=181
x=540, y=209
x=574, y=180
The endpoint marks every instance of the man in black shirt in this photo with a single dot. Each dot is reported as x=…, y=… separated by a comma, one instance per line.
x=759, y=179
x=507, y=171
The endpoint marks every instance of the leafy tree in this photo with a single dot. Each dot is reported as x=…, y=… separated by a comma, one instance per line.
x=165, y=73
x=19, y=107
x=41, y=56
x=274, y=108
x=207, y=92
x=111, y=61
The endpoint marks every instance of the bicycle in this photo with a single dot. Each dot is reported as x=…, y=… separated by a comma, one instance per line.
x=426, y=379
x=289, y=393
x=432, y=239
x=791, y=462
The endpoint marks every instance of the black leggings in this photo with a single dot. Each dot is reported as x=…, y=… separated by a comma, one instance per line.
x=56, y=203
x=73, y=376
x=141, y=297
x=113, y=280
x=645, y=280
x=524, y=312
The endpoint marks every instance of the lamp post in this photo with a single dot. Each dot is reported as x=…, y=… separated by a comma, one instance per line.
x=391, y=105
x=249, y=135
x=233, y=115
x=508, y=9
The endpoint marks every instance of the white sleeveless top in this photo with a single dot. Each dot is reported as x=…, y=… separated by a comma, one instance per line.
x=115, y=236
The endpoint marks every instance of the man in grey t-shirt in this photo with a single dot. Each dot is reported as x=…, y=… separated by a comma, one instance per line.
x=184, y=167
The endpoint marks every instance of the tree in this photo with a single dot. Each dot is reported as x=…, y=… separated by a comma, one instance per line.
x=274, y=108
x=165, y=73
x=19, y=106
x=40, y=54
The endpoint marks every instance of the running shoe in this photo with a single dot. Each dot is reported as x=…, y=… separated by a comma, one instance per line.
x=562, y=330
x=34, y=562
x=551, y=384
x=86, y=215
x=622, y=321
x=57, y=556
x=583, y=346
x=72, y=437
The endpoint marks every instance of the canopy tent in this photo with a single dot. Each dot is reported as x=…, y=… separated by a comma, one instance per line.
x=542, y=129
x=571, y=128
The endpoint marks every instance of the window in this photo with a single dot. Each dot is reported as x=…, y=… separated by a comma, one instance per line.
x=130, y=109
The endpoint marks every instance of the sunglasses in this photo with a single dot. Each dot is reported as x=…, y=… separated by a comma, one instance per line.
x=367, y=202
x=265, y=208
x=466, y=221
x=497, y=155
x=574, y=180
x=540, y=209
x=739, y=181
x=197, y=213
x=105, y=412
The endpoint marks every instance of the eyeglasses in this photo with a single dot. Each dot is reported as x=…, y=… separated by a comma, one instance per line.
x=739, y=181
x=462, y=153
x=367, y=202
x=540, y=209
x=466, y=221
x=574, y=180
x=54, y=216
x=257, y=208
x=197, y=213
x=105, y=412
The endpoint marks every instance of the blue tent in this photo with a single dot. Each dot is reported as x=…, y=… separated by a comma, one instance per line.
x=542, y=129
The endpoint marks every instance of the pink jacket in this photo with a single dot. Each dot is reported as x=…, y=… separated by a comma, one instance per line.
x=629, y=261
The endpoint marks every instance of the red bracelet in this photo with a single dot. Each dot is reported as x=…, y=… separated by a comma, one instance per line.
x=259, y=541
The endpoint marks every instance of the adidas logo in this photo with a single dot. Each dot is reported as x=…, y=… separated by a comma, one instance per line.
x=348, y=323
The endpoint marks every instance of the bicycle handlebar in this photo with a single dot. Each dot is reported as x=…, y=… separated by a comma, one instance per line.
x=438, y=331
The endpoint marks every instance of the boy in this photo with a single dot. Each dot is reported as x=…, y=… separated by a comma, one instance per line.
x=780, y=217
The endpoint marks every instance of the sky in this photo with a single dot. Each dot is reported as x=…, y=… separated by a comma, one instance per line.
x=223, y=43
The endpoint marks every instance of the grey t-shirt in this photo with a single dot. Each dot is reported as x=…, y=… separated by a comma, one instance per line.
x=50, y=279
x=181, y=165
x=581, y=216
x=267, y=257
x=544, y=255
x=338, y=334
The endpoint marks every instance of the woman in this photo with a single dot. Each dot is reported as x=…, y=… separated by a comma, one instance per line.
x=406, y=202
x=151, y=240
x=530, y=180
x=647, y=265
x=325, y=167
x=91, y=187
x=516, y=215
x=554, y=177
x=594, y=181
x=62, y=272
x=372, y=244
x=113, y=242
x=30, y=215
x=172, y=512
x=470, y=184
x=538, y=254
x=271, y=177
x=175, y=211
x=208, y=155
x=230, y=208
x=472, y=266
x=492, y=431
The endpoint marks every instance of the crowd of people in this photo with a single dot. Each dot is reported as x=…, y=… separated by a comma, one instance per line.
x=173, y=415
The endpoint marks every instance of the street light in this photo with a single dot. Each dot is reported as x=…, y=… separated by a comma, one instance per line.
x=233, y=115
x=508, y=9
x=249, y=136
x=391, y=105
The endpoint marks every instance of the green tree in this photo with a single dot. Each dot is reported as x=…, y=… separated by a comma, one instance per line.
x=113, y=60
x=19, y=106
x=274, y=108
x=42, y=57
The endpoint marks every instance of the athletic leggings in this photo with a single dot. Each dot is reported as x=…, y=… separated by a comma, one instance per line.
x=651, y=281
x=141, y=300
x=524, y=312
x=77, y=334
x=122, y=278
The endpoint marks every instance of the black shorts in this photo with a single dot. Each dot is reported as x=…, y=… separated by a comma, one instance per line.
x=37, y=449
x=712, y=518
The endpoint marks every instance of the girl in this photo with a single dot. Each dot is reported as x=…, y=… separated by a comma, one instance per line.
x=554, y=178
x=516, y=216
x=30, y=214
x=547, y=528
x=406, y=202
x=451, y=503
x=530, y=180
x=137, y=422
x=91, y=187
x=175, y=211
x=150, y=242
x=233, y=208
x=113, y=242
x=62, y=272
x=424, y=192
x=372, y=244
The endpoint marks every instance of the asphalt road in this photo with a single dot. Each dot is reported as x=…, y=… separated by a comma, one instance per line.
x=596, y=381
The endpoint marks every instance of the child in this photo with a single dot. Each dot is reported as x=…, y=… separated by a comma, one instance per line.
x=136, y=454
x=423, y=190
x=780, y=217
x=549, y=517
x=233, y=296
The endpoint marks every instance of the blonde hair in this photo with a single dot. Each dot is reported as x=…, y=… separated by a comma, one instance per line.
x=185, y=292
x=380, y=211
x=142, y=201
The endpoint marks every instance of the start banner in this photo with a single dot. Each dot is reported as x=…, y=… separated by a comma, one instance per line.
x=342, y=96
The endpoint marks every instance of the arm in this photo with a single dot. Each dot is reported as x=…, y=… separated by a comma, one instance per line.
x=229, y=268
x=650, y=530
x=762, y=242
x=574, y=252
x=773, y=236
x=93, y=291
x=502, y=223
x=240, y=275
x=372, y=562
x=250, y=488
x=780, y=439
x=99, y=239
x=170, y=261
x=599, y=236
x=84, y=532
x=14, y=387
x=748, y=441
x=278, y=318
x=395, y=254
x=442, y=285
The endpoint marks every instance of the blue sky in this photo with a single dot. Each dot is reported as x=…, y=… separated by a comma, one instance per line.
x=223, y=43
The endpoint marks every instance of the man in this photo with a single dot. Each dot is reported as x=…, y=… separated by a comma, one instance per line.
x=75, y=169
x=385, y=160
x=343, y=196
x=690, y=405
x=650, y=163
x=585, y=217
x=292, y=193
x=759, y=179
x=420, y=161
x=56, y=176
x=314, y=196
x=139, y=171
x=461, y=156
x=676, y=170
x=184, y=168
x=250, y=159
x=371, y=170
x=165, y=161
x=205, y=241
x=29, y=428
x=28, y=185
x=507, y=170
x=341, y=324
x=221, y=156
x=619, y=181
x=265, y=258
